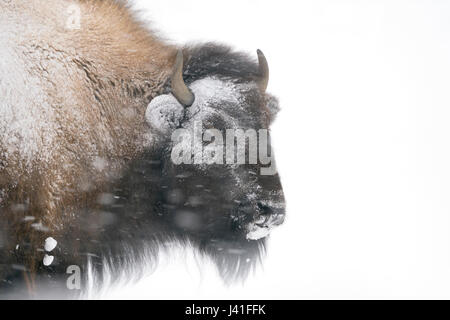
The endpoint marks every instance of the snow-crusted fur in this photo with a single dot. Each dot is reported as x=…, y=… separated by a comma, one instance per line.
x=81, y=162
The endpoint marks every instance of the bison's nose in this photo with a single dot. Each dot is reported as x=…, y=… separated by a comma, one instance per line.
x=272, y=215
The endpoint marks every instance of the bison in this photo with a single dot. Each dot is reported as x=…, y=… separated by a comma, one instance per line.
x=92, y=102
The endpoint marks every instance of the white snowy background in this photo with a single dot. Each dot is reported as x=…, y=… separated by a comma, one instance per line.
x=362, y=144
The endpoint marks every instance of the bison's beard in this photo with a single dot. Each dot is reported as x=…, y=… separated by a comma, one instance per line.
x=114, y=260
x=122, y=239
x=129, y=262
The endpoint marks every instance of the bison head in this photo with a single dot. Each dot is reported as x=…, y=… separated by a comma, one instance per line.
x=220, y=185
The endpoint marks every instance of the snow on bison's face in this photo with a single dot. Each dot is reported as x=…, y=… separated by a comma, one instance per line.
x=220, y=185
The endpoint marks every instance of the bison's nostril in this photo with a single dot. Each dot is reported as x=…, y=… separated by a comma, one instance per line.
x=270, y=215
x=264, y=209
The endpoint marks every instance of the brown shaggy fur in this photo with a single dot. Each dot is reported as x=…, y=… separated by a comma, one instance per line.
x=96, y=82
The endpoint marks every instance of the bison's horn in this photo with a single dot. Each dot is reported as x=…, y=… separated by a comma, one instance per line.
x=179, y=88
x=263, y=71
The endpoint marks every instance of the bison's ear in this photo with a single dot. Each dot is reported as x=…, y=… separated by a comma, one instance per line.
x=164, y=113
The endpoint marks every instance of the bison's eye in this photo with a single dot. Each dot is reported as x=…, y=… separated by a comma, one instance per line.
x=214, y=121
x=208, y=125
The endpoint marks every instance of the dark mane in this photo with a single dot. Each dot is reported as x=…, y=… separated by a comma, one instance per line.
x=221, y=61
x=143, y=228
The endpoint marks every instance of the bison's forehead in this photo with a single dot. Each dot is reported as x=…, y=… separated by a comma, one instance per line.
x=223, y=103
x=217, y=99
x=211, y=92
